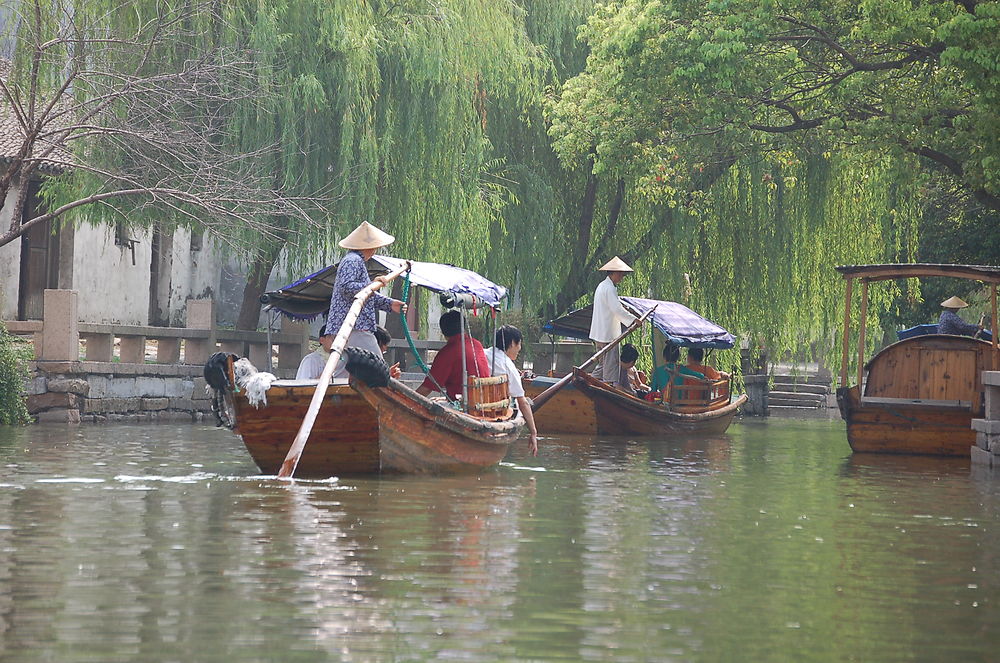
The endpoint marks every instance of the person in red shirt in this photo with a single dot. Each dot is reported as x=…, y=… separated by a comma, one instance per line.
x=447, y=365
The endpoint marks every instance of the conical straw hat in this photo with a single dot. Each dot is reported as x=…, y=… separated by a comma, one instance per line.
x=367, y=236
x=616, y=264
x=953, y=302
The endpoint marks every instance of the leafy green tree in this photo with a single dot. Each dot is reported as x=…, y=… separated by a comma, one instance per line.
x=14, y=355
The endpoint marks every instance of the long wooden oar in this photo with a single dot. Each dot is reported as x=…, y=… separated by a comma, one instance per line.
x=543, y=397
x=295, y=451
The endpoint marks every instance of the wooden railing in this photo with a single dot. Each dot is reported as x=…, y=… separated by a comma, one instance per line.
x=700, y=393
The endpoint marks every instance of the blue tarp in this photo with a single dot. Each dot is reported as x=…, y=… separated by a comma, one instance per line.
x=922, y=330
x=678, y=324
x=309, y=297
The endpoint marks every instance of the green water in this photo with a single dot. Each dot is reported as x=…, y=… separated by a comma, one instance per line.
x=770, y=543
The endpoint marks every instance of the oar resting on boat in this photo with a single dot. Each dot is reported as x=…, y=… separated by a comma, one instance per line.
x=543, y=397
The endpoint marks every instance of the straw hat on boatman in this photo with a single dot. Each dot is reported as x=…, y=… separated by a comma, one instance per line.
x=352, y=275
x=609, y=316
x=951, y=323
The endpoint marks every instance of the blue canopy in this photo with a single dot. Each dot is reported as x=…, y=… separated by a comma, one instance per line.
x=923, y=330
x=678, y=324
x=308, y=297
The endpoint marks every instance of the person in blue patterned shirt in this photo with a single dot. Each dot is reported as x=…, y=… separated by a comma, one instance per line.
x=352, y=276
x=951, y=323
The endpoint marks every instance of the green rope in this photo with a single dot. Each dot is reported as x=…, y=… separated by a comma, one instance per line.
x=413, y=347
x=406, y=328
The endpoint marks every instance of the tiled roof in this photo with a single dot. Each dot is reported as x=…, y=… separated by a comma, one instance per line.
x=12, y=136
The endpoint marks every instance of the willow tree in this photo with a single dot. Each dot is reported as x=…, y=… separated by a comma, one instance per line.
x=386, y=102
x=681, y=100
x=129, y=101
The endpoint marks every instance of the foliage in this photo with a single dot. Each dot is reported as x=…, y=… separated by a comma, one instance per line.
x=760, y=144
x=14, y=355
x=127, y=109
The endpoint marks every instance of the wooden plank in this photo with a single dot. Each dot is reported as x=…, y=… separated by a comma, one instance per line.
x=985, y=273
x=870, y=400
x=847, y=333
x=863, y=318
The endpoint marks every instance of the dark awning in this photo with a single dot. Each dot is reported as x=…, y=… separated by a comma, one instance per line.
x=310, y=296
x=678, y=324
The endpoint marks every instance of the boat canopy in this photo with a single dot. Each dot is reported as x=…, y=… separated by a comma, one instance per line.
x=308, y=297
x=678, y=324
x=987, y=273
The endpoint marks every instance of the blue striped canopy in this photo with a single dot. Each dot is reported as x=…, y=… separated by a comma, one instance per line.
x=308, y=297
x=678, y=324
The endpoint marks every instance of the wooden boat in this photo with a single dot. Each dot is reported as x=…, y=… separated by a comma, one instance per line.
x=351, y=436
x=420, y=435
x=922, y=392
x=344, y=440
x=590, y=405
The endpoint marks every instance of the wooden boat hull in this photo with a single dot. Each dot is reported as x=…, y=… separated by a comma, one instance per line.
x=568, y=411
x=905, y=428
x=589, y=405
x=420, y=436
x=344, y=439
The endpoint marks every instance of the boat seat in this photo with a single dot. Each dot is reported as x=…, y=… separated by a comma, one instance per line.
x=951, y=404
x=489, y=398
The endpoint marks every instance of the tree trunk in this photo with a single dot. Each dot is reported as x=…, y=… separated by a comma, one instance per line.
x=260, y=272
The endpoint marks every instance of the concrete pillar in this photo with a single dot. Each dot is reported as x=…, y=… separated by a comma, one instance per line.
x=100, y=347
x=133, y=350
x=61, y=333
x=200, y=315
x=290, y=354
x=757, y=387
x=168, y=350
x=987, y=449
x=258, y=355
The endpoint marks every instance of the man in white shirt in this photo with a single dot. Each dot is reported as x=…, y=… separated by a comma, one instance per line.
x=312, y=365
x=609, y=316
x=501, y=360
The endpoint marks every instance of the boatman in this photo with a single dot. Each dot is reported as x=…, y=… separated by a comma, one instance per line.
x=609, y=316
x=951, y=323
x=352, y=276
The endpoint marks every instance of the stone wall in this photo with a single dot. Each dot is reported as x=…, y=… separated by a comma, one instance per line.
x=90, y=391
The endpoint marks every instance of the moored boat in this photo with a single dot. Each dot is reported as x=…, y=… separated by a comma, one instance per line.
x=922, y=392
x=590, y=405
x=346, y=438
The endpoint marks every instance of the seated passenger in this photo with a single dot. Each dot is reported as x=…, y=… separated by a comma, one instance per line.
x=628, y=375
x=951, y=323
x=694, y=359
x=313, y=363
x=383, y=339
x=501, y=359
x=446, y=369
x=662, y=374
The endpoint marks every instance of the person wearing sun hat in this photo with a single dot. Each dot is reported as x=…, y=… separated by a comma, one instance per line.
x=951, y=323
x=608, y=318
x=352, y=275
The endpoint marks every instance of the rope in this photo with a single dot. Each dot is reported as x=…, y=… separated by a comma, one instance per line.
x=413, y=347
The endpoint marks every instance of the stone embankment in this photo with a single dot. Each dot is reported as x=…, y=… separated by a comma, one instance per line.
x=86, y=391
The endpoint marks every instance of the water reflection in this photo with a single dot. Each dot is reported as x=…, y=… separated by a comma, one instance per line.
x=771, y=542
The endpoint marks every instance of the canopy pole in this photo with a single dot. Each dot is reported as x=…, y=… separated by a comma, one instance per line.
x=847, y=331
x=863, y=320
x=993, y=322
